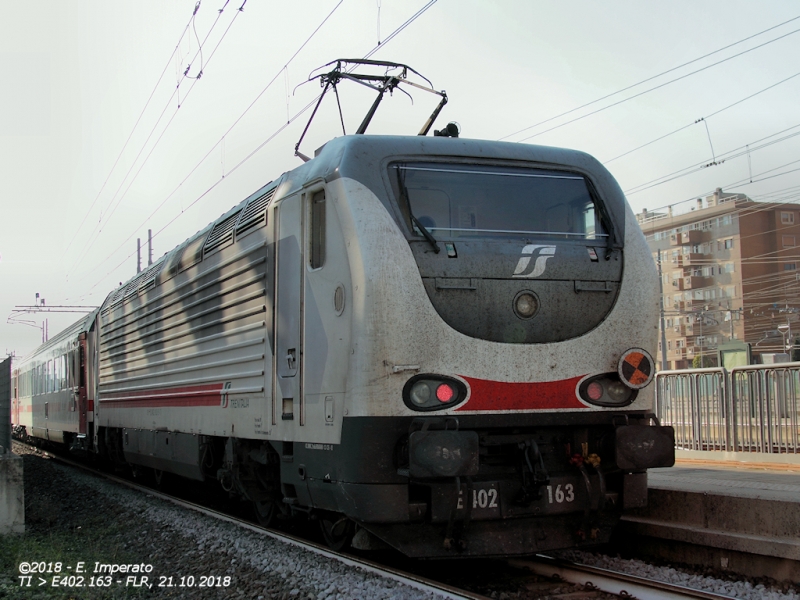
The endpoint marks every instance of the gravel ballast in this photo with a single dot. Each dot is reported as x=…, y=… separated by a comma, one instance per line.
x=99, y=521
x=741, y=589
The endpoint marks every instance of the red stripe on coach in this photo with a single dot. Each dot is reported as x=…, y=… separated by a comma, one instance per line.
x=496, y=395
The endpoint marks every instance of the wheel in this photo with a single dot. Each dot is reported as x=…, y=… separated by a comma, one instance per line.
x=337, y=531
x=265, y=512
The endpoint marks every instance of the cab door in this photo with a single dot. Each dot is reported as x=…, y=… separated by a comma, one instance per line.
x=288, y=312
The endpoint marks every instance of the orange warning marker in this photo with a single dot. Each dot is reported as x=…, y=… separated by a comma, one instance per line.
x=636, y=368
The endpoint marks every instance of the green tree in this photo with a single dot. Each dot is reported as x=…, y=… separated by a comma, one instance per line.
x=705, y=361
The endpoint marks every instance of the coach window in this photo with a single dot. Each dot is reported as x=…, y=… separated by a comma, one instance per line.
x=317, y=230
x=81, y=370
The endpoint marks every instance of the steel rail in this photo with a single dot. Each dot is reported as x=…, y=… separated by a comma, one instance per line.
x=592, y=578
x=612, y=582
x=414, y=581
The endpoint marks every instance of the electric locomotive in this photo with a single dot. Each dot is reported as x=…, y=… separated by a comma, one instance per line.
x=444, y=343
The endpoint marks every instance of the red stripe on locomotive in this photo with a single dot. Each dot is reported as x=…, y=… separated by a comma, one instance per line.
x=195, y=395
x=497, y=395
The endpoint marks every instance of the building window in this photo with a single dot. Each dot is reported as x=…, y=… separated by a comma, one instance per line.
x=726, y=220
x=729, y=267
x=790, y=267
x=729, y=243
x=787, y=218
x=788, y=241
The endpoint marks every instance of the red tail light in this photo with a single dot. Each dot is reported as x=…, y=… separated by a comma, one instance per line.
x=444, y=393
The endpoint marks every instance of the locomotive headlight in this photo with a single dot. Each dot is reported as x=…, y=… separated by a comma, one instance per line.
x=617, y=392
x=420, y=393
x=526, y=304
x=606, y=390
x=433, y=392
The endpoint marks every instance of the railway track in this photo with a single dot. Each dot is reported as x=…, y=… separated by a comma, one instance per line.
x=594, y=582
x=613, y=582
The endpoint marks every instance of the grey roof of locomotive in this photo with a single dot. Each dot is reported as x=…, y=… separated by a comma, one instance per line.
x=364, y=158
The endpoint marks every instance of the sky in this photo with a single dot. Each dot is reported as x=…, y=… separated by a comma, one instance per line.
x=106, y=129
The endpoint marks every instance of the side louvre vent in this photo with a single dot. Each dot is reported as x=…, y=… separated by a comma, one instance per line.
x=114, y=299
x=221, y=235
x=255, y=213
x=132, y=288
x=148, y=281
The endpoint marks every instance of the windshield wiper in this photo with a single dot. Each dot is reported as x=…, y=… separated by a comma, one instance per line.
x=404, y=195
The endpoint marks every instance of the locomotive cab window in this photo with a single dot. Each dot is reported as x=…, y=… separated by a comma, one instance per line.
x=317, y=231
x=482, y=201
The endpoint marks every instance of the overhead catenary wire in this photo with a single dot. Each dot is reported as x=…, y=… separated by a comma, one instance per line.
x=643, y=81
x=370, y=53
x=98, y=229
x=133, y=129
x=705, y=118
x=659, y=86
x=222, y=138
x=745, y=150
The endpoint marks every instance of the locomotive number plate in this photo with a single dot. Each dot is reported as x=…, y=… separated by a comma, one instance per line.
x=483, y=500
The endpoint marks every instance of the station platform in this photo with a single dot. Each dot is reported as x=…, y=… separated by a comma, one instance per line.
x=742, y=517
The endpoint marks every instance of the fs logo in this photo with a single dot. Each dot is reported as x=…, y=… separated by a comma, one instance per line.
x=528, y=251
x=223, y=399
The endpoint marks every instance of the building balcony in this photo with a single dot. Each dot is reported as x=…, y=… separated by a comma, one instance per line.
x=685, y=238
x=693, y=282
x=688, y=260
x=692, y=351
x=677, y=284
x=693, y=259
x=682, y=330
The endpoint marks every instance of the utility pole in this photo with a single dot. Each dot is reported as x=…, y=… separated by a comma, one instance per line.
x=661, y=322
x=149, y=247
x=138, y=255
x=15, y=318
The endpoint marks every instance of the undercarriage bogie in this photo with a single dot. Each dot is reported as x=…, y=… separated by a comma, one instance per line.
x=429, y=487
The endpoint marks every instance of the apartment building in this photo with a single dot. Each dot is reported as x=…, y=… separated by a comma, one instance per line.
x=729, y=271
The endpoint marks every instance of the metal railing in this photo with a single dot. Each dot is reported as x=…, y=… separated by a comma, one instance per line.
x=747, y=409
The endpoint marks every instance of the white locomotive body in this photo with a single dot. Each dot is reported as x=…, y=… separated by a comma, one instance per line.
x=446, y=342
